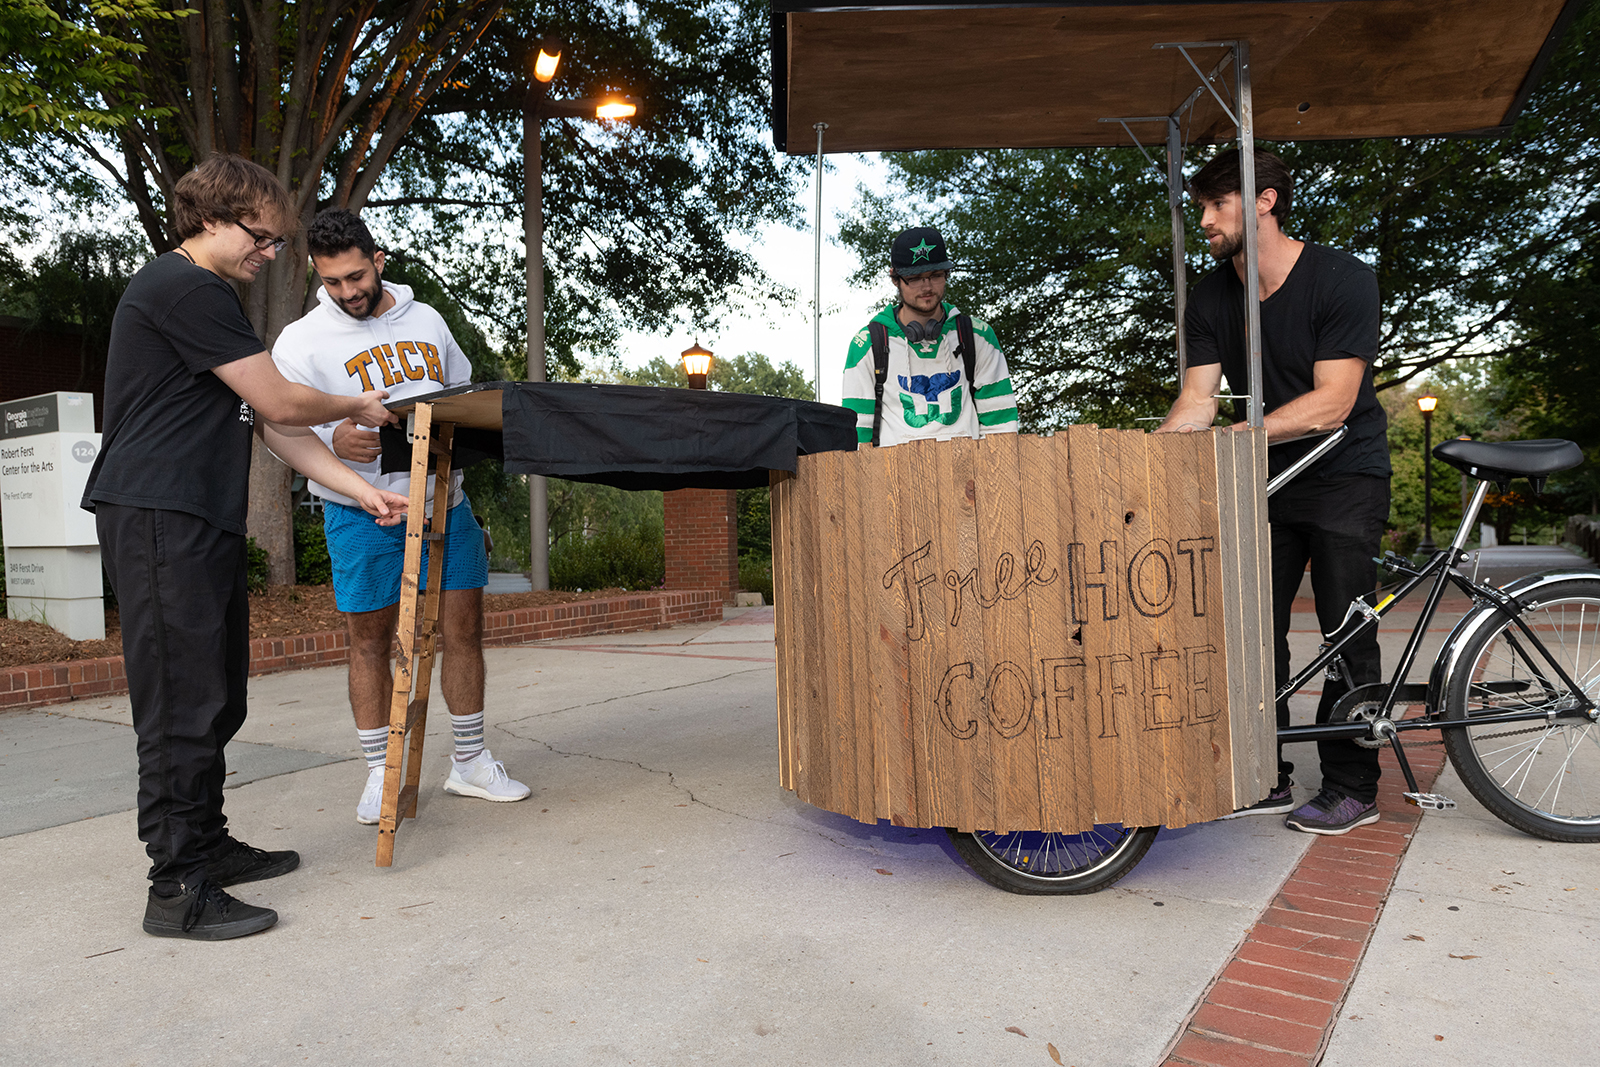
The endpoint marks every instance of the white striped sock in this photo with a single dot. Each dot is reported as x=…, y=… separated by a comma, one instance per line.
x=468, y=731
x=374, y=746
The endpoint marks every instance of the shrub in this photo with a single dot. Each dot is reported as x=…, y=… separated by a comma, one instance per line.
x=311, y=563
x=634, y=557
x=257, y=568
x=755, y=574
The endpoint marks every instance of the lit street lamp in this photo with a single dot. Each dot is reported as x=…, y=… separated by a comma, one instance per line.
x=538, y=106
x=697, y=365
x=1426, y=403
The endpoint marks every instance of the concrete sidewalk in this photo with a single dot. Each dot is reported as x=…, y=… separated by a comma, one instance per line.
x=660, y=900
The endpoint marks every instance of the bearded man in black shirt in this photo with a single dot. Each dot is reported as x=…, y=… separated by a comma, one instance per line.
x=1319, y=336
x=186, y=377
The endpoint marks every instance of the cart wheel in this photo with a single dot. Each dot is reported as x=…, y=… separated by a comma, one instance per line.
x=1033, y=861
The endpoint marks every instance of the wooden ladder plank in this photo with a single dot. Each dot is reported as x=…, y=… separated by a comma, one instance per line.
x=400, y=711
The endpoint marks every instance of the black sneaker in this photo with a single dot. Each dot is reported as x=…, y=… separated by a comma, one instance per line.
x=1278, y=802
x=1332, y=813
x=238, y=862
x=204, y=913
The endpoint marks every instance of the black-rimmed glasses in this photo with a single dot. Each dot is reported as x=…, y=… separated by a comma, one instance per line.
x=263, y=242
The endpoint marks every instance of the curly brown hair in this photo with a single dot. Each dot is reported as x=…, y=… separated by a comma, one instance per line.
x=231, y=189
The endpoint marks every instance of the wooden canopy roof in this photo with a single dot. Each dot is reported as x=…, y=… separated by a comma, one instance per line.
x=901, y=74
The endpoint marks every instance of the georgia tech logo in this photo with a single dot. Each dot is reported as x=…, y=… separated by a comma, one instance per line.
x=395, y=364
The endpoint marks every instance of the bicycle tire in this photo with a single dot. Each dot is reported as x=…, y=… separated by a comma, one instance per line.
x=1041, y=863
x=1541, y=777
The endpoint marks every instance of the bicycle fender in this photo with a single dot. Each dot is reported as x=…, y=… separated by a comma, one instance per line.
x=1521, y=590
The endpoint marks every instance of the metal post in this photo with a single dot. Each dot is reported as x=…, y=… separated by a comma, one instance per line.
x=1427, y=544
x=816, y=310
x=533, y=241
x=1252, y=248
x=1180, y=283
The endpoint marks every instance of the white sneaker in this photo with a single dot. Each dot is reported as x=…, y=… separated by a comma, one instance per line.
x=483, y=777
x=371, y=805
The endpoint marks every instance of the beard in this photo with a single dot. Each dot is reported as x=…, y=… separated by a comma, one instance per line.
x=374, y=296
x=1232, y=244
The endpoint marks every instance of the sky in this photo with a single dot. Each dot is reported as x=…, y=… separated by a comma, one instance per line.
x=787, y=254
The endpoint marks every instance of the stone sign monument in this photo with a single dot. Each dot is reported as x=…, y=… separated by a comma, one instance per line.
x=52, y=556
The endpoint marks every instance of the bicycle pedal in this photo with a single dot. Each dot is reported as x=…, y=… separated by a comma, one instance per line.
x=1434, y=801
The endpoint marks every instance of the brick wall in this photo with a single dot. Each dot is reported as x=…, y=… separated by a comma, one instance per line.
x=39, y=684
x=702, y=541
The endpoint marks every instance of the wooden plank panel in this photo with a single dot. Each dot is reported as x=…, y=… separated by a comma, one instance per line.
x=909, y=615
x=855, y=694
x=1232, y=550
x=832, y=667
x=1000, y=588
x=1056, y=653
x=920, y=479
x=1137, y=746
x=1260, y=685
x=782, y=488
x=1093, y=562
x=814, y=771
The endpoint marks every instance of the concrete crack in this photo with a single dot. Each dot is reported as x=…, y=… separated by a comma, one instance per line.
x=622, y=696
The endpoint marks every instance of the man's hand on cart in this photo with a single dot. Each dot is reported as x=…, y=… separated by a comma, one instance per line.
x=353, y=444
x=372, y=412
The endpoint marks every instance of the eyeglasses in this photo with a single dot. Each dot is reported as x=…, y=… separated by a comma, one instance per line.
x=263, y=242
x=929, y=276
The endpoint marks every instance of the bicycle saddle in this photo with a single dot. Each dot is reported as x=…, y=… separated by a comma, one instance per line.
x=1501, y=461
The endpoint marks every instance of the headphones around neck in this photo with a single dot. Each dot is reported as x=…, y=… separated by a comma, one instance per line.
x=917, y=331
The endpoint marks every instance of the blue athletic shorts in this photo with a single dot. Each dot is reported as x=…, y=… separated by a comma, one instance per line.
x=368, y=559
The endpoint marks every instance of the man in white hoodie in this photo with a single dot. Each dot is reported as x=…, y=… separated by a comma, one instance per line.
x=366, y=331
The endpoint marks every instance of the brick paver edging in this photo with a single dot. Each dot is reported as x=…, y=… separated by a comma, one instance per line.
x=1275, y=1003
x=39, y=684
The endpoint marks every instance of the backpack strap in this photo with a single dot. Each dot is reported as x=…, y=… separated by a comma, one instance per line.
x=969, y=352
x=880, y=372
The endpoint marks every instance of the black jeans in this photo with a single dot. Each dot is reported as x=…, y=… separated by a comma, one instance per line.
x=180, y=585
x=1337, y=524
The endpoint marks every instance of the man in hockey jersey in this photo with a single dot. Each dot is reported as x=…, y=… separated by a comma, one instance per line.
x=367, y=331
x=920, y=368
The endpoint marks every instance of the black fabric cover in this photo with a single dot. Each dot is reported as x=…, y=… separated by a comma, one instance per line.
x=638, y=437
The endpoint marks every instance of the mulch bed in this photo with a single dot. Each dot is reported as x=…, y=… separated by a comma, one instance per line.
x=282, y=611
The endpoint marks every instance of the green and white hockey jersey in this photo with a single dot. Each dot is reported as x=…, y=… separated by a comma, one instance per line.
x=926, y=393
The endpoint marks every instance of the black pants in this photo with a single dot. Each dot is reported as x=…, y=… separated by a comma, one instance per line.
x=180, y=585
x=1337, y=524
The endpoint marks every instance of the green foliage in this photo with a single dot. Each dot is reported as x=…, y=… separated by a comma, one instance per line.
x=312, y=566
x=1067, y=253
x=500, y=501
x=57, y=70
x=76, y=282
x=638, y=214
x=755, y=573
x=257, y=568
x=751, y=373
x=632, y=557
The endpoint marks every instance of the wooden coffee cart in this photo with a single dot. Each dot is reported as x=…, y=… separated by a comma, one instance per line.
x=1045, y=642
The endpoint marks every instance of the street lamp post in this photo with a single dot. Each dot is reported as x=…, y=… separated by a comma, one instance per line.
x=1426, y=403
x=536, y=107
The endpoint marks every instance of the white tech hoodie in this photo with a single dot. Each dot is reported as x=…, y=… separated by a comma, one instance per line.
x=407, y=350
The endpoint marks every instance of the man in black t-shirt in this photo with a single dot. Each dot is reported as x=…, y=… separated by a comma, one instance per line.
x=1319, y=329
x=186, y=377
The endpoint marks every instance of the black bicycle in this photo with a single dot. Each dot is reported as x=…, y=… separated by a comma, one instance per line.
x=1512, y=693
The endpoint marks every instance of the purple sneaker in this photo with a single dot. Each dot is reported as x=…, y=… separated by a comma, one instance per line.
x=1277, y=802
x=1331, y=813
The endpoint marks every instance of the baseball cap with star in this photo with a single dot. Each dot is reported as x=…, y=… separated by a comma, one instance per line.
x=918, y=251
